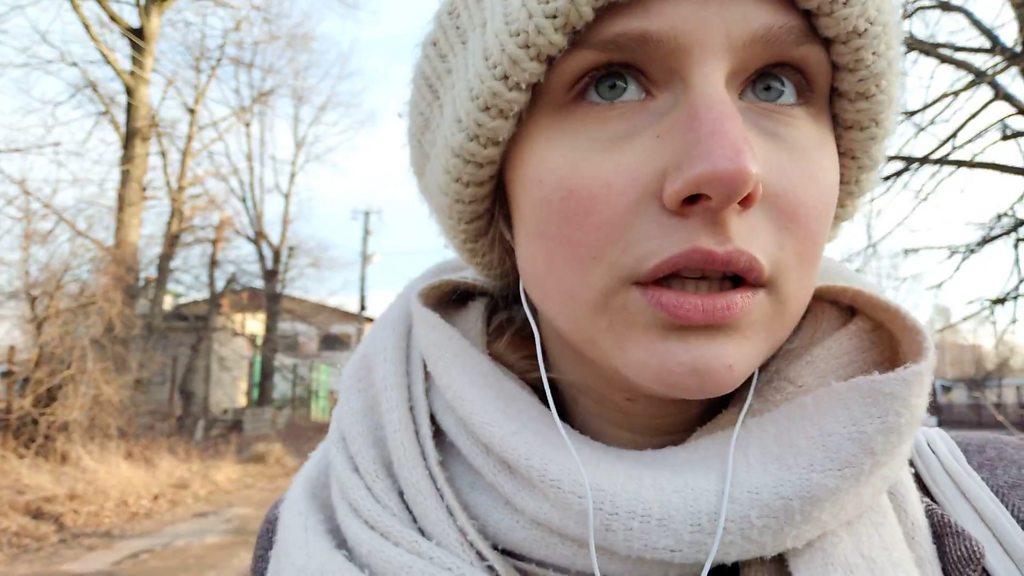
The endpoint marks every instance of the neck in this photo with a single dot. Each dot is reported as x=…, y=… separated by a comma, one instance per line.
x=634, y=421
x=617, y=412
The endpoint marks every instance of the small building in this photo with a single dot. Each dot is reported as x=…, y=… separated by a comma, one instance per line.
x=979, y=403
x=977, y=386
x=315, y=341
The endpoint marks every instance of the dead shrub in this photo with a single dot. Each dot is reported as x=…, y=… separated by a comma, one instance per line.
x=272, y=453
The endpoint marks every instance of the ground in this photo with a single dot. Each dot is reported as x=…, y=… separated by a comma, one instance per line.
x=214, y=539
x=214, y=534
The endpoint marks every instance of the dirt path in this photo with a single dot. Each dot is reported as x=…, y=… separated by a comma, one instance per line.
x=216, y=540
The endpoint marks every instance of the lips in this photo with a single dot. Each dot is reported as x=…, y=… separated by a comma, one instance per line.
x=734, y=262
x=709, y=308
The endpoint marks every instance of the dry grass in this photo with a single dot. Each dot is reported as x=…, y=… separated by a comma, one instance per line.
x=100, y=489
x=270, y=453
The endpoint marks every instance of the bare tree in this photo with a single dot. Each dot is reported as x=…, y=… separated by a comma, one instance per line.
x=178, y=152
x=161, y=99
x=141, y=38
x=964, y=121
x=238, y=102
x=284, y=94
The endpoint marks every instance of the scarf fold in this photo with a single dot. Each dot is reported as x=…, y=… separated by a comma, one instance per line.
x=438, y=460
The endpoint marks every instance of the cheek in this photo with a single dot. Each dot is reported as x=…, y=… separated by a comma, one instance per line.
x=569, y=212
x=806, y=186
x=802, y=212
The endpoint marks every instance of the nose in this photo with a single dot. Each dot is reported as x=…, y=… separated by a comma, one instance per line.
x=715, y=167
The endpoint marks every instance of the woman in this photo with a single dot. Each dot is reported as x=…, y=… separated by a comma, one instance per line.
x=640, y=194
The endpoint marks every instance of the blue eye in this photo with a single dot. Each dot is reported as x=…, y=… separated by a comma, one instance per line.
x=613, y=86
x=772, y=89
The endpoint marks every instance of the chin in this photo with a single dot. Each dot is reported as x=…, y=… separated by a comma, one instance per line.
x=695, y=381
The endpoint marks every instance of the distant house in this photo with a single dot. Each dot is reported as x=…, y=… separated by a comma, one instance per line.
x=315, y=340
x=977, y=403
x=307, y=328
x=976, y=386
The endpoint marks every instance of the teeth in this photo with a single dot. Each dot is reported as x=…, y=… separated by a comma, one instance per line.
x=696, y=273
x=697, y=286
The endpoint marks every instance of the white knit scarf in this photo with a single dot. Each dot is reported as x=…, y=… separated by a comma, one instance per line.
x=440, y=461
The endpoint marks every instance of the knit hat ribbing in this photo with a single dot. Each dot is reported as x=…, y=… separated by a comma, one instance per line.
x=480, y=61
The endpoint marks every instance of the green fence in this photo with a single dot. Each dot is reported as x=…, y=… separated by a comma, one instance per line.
x=320, y=376
x=297, y=384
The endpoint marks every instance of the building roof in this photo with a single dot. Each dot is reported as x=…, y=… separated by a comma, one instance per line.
x=251, y=300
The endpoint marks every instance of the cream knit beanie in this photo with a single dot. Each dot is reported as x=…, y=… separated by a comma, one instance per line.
x=478, y=64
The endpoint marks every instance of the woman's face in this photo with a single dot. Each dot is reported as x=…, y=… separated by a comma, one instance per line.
x=670, y=125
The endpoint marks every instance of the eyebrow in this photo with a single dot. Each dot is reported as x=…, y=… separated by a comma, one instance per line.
x=778, y=36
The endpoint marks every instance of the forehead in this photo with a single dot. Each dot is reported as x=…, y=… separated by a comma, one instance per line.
x=687, y=25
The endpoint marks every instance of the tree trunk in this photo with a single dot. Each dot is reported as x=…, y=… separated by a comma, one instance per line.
x=7, y=377
x=268, y=350
x=193, y=390
x=195, y=403
x=213, y=310
x=138, y=136
x=187, y=387
x=175, y=226
x=172, y=236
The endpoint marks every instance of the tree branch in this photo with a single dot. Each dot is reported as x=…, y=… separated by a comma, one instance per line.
x=102, y=48
x=122, y=25
x=976, y=22
x=23, y=187
x=924, y=47
x=105, y=103
x=1003, y=168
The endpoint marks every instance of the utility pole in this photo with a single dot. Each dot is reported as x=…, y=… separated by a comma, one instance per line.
x=364, y=263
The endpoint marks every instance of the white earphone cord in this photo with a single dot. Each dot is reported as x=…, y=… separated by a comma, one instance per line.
x=583, y=472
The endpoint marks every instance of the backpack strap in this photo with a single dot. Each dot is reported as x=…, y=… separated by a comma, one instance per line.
x=961, y=492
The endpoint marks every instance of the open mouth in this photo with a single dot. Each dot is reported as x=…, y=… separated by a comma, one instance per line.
x=703, y=286
x=700, y=281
